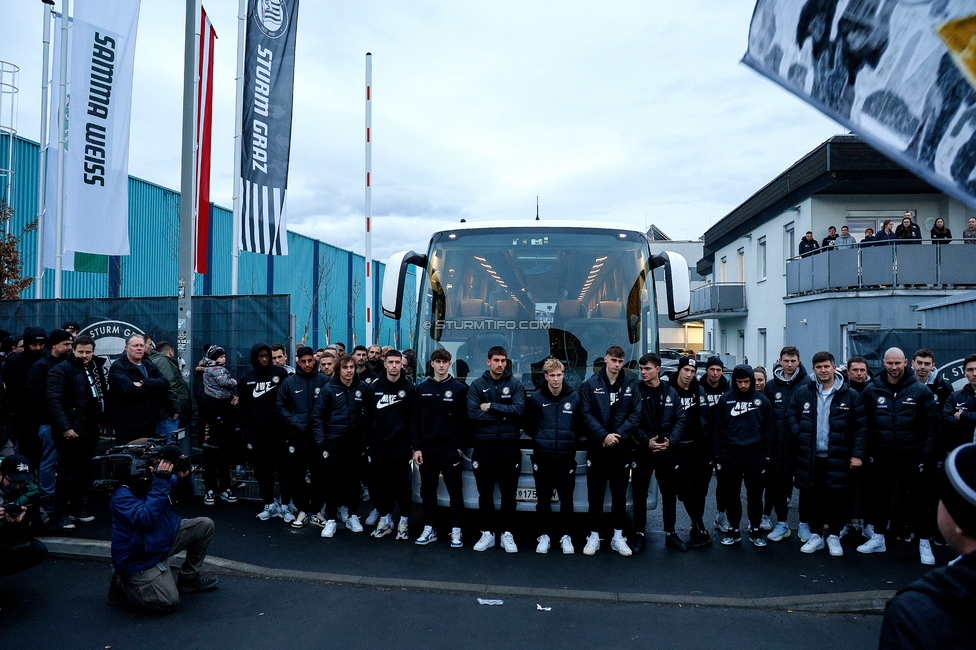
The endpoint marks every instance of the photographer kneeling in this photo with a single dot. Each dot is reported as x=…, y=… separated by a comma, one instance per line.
x=19, y=517
x=146, y=531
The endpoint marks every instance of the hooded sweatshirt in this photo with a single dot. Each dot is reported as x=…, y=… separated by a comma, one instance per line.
x=694, y=402
x=259, y=393
x=743, y=420
x=387, y=409
x=439, y=414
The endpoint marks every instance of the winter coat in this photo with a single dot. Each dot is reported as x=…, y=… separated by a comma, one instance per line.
x=133, y=408
x=387, y=411
x=501, y=422
x=938, y=236
x=76, y=397
x=14, y=536
x=697, y=415
x=554, y=422
x=178, y=398
x=903, y=419
x=144, y=528
x=602, y=414
x=661, y=415
x=297, y=400
x=258, y=393
x=845, y=420
x=338, y=413
x=959, y=432
x=37, y=387
x=780, y=391
x=217, y=382
x=743, y=422
x=439, y=414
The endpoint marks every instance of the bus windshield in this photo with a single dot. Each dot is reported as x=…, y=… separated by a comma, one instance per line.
x=568, y=293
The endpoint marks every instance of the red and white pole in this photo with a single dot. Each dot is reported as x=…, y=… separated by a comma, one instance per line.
x=369, y=209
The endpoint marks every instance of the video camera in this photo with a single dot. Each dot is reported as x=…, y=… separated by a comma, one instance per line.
x=123, y=462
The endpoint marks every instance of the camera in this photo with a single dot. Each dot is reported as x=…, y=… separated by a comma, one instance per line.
x=11, y=509
x=134, y=460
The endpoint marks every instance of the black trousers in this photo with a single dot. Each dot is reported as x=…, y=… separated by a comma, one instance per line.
x=557, y=474
x=339, y=476
x=269, y=455
x=390, y=482
x=779, y=489
x=300, y=454
x=826, y=506
x=886, y=470
x=447, y=463
x=497, y=463
x=645, y=464
x=21, y=559
x=74, y=471
x=693, y=474
x=608, y=466
x=736, y=470
x=217, y=451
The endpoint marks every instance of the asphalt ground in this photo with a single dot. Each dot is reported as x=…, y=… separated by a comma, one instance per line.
x=744, y=572
x=61, y=604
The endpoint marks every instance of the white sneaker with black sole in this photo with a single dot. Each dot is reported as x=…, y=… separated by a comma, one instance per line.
x=228, y=496
x=486, y=542
x=208, y=498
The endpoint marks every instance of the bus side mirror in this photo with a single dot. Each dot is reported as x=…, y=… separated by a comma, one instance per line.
x=677, y=282
x=394, y=279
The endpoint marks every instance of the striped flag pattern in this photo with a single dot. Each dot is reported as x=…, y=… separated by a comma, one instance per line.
x=263, y=212
x=204, y=102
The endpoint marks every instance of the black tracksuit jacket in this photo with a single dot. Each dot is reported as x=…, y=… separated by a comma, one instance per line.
x=610, y=408
x=439, y=414
x=502, y=422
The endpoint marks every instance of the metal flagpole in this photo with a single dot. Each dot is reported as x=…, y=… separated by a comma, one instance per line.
x=369, y=207
x=42, y=158
x=184, y=331
x=62, y=107
x=235, y=249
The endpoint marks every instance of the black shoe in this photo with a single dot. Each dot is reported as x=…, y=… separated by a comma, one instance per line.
x=82, y=516
x=638, y=544
x=198, y=582
x=63, y=525
x=673, y=542
x=699, y=537
x=116, y=594
x=938, y=539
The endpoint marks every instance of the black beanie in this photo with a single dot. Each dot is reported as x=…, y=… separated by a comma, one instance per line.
x=958, y=491
x=687, y=361
x=714, y=361
x=58, y=336
x=214, y=352
x=34, y=335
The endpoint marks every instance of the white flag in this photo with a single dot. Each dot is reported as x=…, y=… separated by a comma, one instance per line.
x=103, y=46
x=49, y=254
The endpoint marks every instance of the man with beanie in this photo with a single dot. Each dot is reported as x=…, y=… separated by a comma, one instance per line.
x=60, y=342
x=743, y=443
x=715, y=385
x=15, y=370
x=263, y=432
x=937, y=611
x=137, y=391
x=694, y=449
x=611, y=413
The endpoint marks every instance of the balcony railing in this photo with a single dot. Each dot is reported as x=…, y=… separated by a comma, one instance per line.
x=719, y=300
x=885, y=266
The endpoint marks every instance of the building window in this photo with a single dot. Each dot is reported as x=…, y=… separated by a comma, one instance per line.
x=761, y=260
x=724, y=347
x=740, y=265
x=740, y=348
x=789, y=244
x=761, y=347
x=723, y=270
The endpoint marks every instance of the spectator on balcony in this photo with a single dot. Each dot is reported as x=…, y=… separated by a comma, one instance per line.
x=969, y=234
x=908, y=232
x=808, y=245
x=846, y=240
x=887, y=234
x=831, y=237
x=940, y=234
x=868, y=239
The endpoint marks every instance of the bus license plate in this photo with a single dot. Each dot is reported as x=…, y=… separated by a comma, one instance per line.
x=529, y=494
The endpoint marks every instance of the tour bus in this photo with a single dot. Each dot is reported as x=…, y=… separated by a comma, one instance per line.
x=567, y=290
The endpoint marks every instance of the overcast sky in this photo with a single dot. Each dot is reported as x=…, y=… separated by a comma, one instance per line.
x=629, y=112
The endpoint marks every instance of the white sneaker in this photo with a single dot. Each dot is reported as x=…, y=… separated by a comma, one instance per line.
x=722, y=522
x=868, y=531
x=815, y=543
x=299, y=520
x=353, y=524
x=456, y=538
x=843, y=531
x=833, y=545
x=486, y=542
x=592, y=544
x=780, y=532
x=766, y=524
x=874, y=545
x=619, y=544
x=804, y=532
x=374, y=516
x=329, y=529
x=508, y=543
x=403, y=531
x=543, y=546
x=566, y=544
x=925, y=552
x=208, y=498
x=288, y=516
x=383, y=528
x=343, y=514
x=270, y=510
x=429, y=535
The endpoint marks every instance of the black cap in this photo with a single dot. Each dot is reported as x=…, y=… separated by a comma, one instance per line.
x=16, y=468
x=715, y=361
x=958, y=491
x=687, y=361
x=70, y=325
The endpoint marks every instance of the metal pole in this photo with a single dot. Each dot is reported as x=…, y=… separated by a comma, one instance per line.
x=184, y=331
x=235, y=249
x=62, y=126
x=369, y=207
x=42, y=158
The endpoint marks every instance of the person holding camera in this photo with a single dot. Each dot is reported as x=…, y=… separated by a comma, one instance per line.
x=146, y=532
x=19, y=517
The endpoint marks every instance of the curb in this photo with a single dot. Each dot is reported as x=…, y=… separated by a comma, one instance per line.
x=851, y=602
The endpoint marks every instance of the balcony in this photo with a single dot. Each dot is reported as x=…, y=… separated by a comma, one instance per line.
x=893, y=266
x=718, y=300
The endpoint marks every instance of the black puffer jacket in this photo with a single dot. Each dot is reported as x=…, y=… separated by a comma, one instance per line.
x=901, y=419
x=387, y=411
x=601, y=415
x=338, y=413
x=76, y=397
x=661, y=415
x=554, y=422
x=296, y=401
x=743, y=421
x=959, y=432
x=502, y=422
x=845, y=420
x=780, y=392
x=37, y=387
x=439, y=414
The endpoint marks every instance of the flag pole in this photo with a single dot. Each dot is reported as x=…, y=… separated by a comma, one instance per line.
x=235, y=249
x=62, y=107
x=42, y=158
x=184, y=330
x=369, y=207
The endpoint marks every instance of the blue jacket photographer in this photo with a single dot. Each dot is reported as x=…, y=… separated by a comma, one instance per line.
x=19, y=517
x=146, y=531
